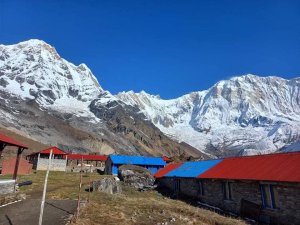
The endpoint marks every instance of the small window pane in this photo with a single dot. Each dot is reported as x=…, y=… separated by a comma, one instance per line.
x=274, y=196
x=200, y=188
x=266, y=195
x=227, y=190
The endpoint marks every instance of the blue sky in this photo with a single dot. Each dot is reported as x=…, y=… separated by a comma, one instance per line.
x=165, y=47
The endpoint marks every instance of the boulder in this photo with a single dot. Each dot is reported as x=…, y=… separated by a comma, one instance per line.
x=137, y=177
x=108, y=185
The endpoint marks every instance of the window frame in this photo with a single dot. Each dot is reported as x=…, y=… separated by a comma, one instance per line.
x=273, y=202
x=227, y=190
x=201, y=190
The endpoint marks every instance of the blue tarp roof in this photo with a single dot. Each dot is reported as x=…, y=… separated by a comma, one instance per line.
x=137, y=160
x=192, y=169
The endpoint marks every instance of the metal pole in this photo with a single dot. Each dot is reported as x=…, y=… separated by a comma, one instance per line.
x=80, y=184
x=45, y=188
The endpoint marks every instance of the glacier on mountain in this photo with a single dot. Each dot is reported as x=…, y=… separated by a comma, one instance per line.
x=244, y=115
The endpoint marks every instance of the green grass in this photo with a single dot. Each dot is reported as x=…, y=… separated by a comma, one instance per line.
x=129, y=207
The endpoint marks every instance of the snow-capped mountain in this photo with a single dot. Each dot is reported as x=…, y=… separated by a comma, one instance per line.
x=48, y=99
x=34, y=70
x=51, y=100
x=243, y=115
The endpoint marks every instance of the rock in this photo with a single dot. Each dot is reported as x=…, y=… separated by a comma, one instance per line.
x=108, y=185
x=137, y=177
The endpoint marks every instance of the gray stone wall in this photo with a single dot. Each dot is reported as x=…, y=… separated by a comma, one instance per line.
x=166, y=183
x=12, y=197
x=56, y=164
x=7, y=186
x=288, y=200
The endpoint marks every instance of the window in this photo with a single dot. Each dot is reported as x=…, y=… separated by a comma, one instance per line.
x=200, y=188
x=227, y=190
x=269, y=196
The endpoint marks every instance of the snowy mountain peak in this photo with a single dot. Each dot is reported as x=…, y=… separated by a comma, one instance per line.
x=34, y=70
x=245, y=114
x=242, y=115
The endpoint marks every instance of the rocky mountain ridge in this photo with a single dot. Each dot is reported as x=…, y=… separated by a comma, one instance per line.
x=48, y=99
x=240, y=116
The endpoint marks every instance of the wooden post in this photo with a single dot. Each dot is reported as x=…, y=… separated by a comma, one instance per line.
x=90, y=183
x=2, y=146
x=45, y=189
x=80, y=185
x=20, y=150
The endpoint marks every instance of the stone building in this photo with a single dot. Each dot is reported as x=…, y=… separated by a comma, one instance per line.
x=8, y=188
x=181, y=179
x=40, y=159
x=115, y=161
x=95, y=160
x=265, y=188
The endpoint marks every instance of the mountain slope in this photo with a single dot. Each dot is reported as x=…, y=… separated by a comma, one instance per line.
x=243, y=115
x=48, y=99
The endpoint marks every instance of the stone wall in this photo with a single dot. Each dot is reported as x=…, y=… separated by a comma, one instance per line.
x=288, y=200
x=56, y=164
x=75, y=162
x=166, y=182
x=7, y=186
x=189, y=187
x=12, y=197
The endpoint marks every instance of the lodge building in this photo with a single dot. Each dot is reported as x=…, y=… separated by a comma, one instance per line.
x=265, y=188
x=113, y=163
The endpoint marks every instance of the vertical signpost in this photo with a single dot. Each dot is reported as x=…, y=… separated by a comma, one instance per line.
x=45, y=189
x=80, y=185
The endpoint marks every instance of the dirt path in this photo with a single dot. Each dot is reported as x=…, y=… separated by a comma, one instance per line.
x=27, y=212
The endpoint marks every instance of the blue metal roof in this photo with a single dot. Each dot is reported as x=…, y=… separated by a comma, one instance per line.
x=137, y=160
x=192, y=169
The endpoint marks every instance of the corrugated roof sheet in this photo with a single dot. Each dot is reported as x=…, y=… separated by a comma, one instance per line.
x=137, y=160
x=55, y=151
x=166, y=158
x=166, y=169
x=272, y=167
x=10, y=141
x=87, y=157
x=192, y=169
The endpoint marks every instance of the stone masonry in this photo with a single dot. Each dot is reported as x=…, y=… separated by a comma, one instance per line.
x=56, y=164
x=288, y=200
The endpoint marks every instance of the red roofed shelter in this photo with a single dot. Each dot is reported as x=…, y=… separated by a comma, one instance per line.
x=7, y=141
x=40, y=159
x=86, y=158
x=280, y=167
x=265, y=188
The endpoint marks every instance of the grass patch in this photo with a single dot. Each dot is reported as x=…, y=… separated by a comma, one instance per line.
x=129, y=207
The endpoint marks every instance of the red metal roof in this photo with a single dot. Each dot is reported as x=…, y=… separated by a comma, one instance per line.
x=166, y=158
x=87, y=157
x=283, y=167
x=166, y=169
x=10, y=141
x=55, y=151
